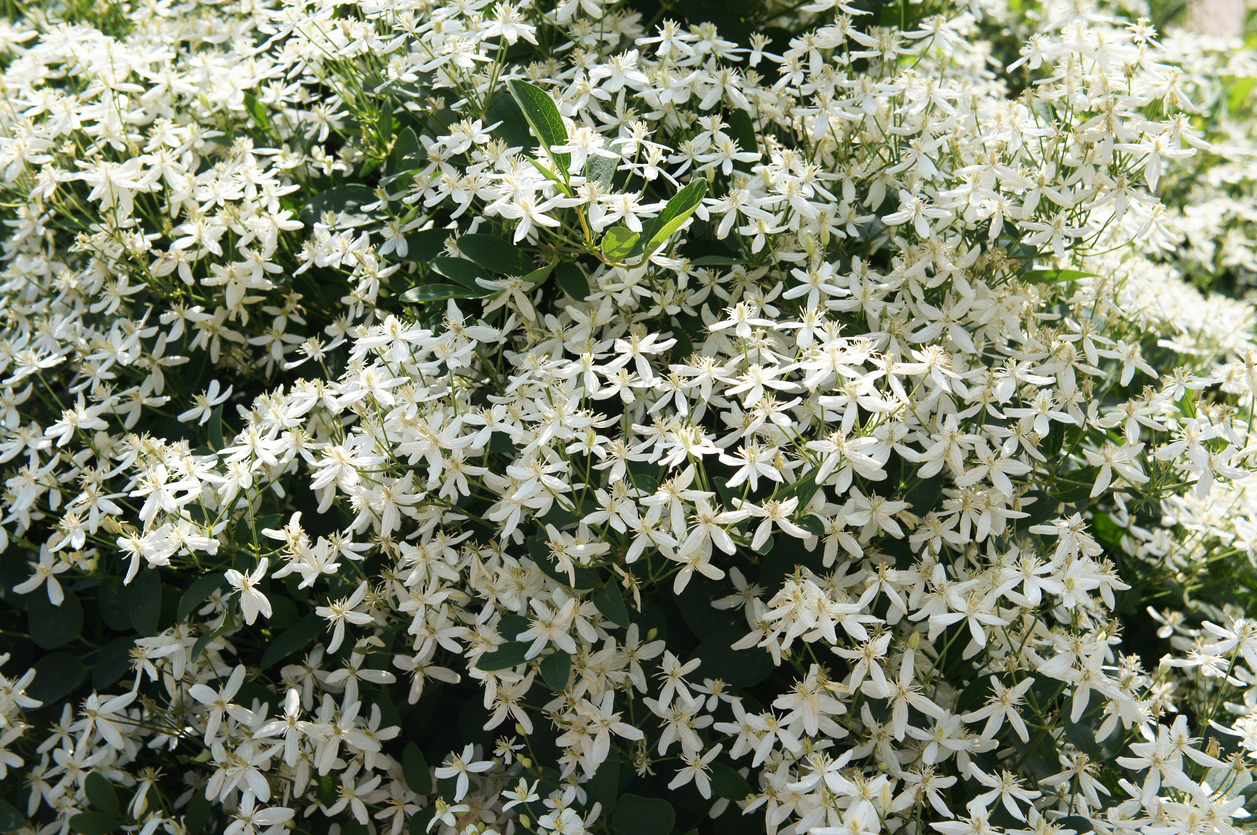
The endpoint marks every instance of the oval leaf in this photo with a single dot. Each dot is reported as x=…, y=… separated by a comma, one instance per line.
x=496, y=254
x=635, y=815
x=146, y=602
x=544, y=119
x=53, y=626
x=510, y=654
x=415, y=770
x=618, y=242
x=556, y=669
x=293, y=639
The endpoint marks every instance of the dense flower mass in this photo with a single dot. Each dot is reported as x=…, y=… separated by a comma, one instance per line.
x=461, y=416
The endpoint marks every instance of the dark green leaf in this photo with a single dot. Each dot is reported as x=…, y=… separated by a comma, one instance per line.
x=146, y=602
x=716, y=261
x=1055, y=276
x=1075, y=486
x=53, y=626
x=415, y=770
x=197, y=814
x=585, y=578
x=924, y=497
x=737, y=668
x=742, y=129
x=727, y=783
x=436, y=293
x=544, y=119
x=197, y=593
x=604, y=786
x=349, y=198
x=610, y=601
x=496, y=254
x=601, y=170
x=258, y=111
x=56, y=676
x=95, y=823
x=100, y=793
x=460, y=270
x=813, y=525
x=113, y=600
x=618, y=242
x=205, y=640
x=406, y=151
x=510, y=654
x=512, y=127
x=635, y=815
x=572, y=280
x=657, y=230
x=419, y=823
x=538, y=275
x=556, y=669
x=10, y=818
x=422, y=247
x=215, y=430
x=112, y=662
x=293, y=639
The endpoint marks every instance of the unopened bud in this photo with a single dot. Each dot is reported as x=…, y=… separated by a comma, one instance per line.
x=519, y=729
x=650, y=636
x=886, y=797
x=523, y=820
x=524, y=761
x=914, y=640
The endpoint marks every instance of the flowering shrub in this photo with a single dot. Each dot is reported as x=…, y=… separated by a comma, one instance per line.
x=476, y=416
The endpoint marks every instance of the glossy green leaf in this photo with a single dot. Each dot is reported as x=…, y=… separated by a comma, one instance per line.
x=11, y=819
x=415, y=770
x=510, y=654
x=424, y=246
x=101, y=794
x=95, y=823
x=813, y=525
x=52, y=626
x=728, y=783
x=1055, y=276
x=406, y=153
x=435, y=293
x=197, y=814
x=538, y=275
x=215, y=430
x=293, y=639
x=146, y=602
x=737, y=668
x=496, y=254
x=258, y=111
x=205, y=640
x=544, y=119
x=618, y=242
x=610, y=602
x=349, y=198
x=572, y=279
x=657, y=230
x=636, y=815
x=112, y=662
x=556, y=670
x=198, y=593
x=461, y=270
x=56, y=676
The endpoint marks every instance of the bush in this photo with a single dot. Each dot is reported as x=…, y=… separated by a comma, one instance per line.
x=583, y=416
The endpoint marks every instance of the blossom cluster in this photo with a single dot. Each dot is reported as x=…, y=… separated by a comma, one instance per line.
x=463, y=416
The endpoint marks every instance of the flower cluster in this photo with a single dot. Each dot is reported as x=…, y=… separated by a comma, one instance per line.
x=562, y=417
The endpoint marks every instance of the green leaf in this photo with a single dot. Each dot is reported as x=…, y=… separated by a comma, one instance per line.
x=716, y=261
x=258, y=111
x=813, y=525
x=618, y=242
x=424, y=246
x=742, y=129
x=419, y=823
x=348, y=199
x=572, y=279
x=205, y=640
x=657, y=230
x=604, y=786
x=1055, y=276
x=538, y=275
x=737, y=668
x=415, y=770
x=435, y=293
x=406, y=152
x=460, y=270
x=197, y=593
x=293, y=639
x=544, y=119
x=112, y=662
x=56, y=676
x=100, y=793
x=113, y=601
x=146, y=602
x=10, y=818
x=197, y=814
x=53, y=626
x=215, y=430
x=728, y=783
x=601, y=170
x=586, y=578
x=924, y=497
x=510, y=654
x=1081, y=482
x=95, y=823
x=496, y=254
x=556, y=669
x=636, y=815
x=512, y=128
x=610, y=602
